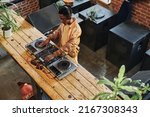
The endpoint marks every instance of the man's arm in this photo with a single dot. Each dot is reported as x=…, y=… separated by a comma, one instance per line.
x=72, y=45
x=51, y=36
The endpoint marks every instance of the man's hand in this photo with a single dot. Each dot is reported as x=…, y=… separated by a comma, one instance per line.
x=55, y=54
x=44, y=43
x=49, y=57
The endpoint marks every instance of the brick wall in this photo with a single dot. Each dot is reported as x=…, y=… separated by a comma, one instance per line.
x=27, y=6
x=140, y=12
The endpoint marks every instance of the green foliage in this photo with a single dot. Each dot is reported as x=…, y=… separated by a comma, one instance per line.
x=92, y=14
x=60, y=3
x=6, y=17
x=121, y=85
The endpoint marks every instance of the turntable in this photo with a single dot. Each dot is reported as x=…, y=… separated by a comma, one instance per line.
x=62, y=67
x=35, y=48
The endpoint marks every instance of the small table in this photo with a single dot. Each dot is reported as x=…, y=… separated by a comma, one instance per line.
x=95, y=33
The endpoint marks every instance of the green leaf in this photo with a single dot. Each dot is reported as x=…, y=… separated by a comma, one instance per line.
x=124, y=96
x=135, y=97
x=126, y=80
x=60, y=3
x=145, y=89
x=121, y=73
x=106, y=82
x=6, y=16
x=137, y=82
x=129, y=88
x=102, y=96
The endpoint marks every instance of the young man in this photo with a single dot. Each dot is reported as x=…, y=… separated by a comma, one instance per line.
x=68, y=33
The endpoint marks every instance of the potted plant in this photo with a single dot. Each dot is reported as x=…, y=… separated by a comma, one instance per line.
x=8, y=22
x=123, y=88
x=60, y=3
x=91, y=14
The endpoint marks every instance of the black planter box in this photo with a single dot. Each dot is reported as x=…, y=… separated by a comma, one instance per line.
x=95, y=33
x=146, y=61
x=127, y=44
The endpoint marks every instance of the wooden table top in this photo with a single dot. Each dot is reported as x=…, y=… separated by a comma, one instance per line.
x=79, y=85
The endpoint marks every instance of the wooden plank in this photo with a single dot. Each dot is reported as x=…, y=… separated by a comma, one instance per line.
x=26, y=28
x=78, y=95
x=85, y=82
x=26, y=31
x=92, y=79
x=19, y=39
x=80, y=87
x=31, y=35
x=56, y=85
x=24, y=36
x=30, y=29
x=40, y=81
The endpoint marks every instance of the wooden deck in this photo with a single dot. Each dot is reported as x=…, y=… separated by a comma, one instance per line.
x=79, y=85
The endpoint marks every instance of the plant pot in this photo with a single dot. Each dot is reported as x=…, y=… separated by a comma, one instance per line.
x=7, y=32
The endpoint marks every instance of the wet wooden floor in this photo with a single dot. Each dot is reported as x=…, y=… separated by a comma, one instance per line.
x=98, y=65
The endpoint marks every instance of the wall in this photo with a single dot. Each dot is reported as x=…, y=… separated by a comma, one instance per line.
x=28, y=6
x=140, y=12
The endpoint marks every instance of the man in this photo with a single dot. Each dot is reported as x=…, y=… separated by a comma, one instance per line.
x=68, y=35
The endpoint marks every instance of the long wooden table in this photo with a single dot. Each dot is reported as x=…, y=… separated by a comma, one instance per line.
x=79, y=85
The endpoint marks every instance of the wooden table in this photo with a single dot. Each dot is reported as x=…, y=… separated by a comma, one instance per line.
x=79, y=85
